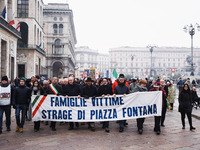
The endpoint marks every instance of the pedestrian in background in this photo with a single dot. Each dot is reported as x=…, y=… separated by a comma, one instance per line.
x=171, y=95
x=185, y=106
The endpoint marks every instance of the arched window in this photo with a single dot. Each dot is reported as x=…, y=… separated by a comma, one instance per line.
x=58, y=47
x=22, y=8
x=55, y=28
x=23, y=42
x=61, y=29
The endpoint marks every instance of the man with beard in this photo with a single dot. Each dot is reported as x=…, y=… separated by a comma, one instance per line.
x=72, y=89
x=6, y=99
x=140, y=88
x=55, y=89
x=105, y=90
x=87, y=91
x=121, y=89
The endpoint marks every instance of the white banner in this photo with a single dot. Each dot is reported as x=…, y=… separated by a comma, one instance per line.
x=72, y=109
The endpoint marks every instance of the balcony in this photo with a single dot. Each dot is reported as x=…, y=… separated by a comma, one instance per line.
x=30, y=46
x=11, y=29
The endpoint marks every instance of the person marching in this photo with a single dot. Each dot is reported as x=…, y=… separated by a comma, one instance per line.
x=22, y=98
x=72, y=89
x=87, y=91
x=121, y=89
x=105, y=90
x=36, y=89
x=6, y=100
x=185, y=106
x=157, y=119
x=56, y=89
x=140, y=88
x=164, y=88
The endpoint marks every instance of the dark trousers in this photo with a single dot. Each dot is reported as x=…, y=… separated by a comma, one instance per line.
x=106, y=124
x=121, y=123
x=71, y=124
x=53, y=124
x=172, y=105
x=20, y=108
x=140, y=122
x=157, y=123
x=189, y=116
x=37, y=125
x=7, y=110
x=164, y=109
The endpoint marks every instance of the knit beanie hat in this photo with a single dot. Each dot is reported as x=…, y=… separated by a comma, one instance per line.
x=4, y=78
x=23, y=79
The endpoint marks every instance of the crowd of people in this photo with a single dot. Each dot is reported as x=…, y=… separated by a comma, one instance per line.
x=19, y=95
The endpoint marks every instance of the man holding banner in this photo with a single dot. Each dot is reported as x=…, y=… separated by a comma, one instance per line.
x=89, y=90
x=140, y=88
x=157, y=119
x=105, y=90
x=55, y=89
x=121, y=89
x=72, y=89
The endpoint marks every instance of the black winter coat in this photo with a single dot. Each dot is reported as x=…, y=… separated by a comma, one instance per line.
x=22, y=95
x=89, y=91
x=121, y=89
x=58, y=88
x=185, y=102
x=72, y=90
x=105, y=89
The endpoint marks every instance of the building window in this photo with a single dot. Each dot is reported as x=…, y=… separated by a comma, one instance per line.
x=61, y=29
x=22, y=8
x=58, y=47
x=55, y=18
x=61, y=19
x=55, y=28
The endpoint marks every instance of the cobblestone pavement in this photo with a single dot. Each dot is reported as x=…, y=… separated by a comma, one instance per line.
x=172, y=136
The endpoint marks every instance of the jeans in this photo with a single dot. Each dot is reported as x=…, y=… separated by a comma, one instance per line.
x=21, y=107
x=7, y=110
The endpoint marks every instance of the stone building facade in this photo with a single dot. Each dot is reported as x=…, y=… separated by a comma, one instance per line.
x=136, y=61
x=87, y=58
x=31, y=57
x=60, y=39
x=8, y=42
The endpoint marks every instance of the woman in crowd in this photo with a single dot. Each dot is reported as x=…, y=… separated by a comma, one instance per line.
x=185, y=105
x=36, y=89
x=171, y=95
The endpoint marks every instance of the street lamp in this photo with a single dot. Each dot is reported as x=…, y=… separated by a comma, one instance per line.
x=151, y=50
x=191, y=29
x=132, y=58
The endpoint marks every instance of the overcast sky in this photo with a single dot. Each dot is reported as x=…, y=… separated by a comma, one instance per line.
x=104, y=24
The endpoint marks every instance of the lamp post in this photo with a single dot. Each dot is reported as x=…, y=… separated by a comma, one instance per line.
x=191, y=30
x=132, y=58
x=151, y=51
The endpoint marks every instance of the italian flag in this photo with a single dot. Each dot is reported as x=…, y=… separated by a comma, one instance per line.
x=114, y=75
x=53, y=89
